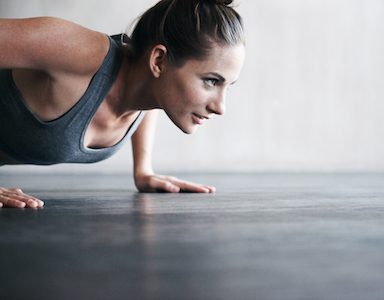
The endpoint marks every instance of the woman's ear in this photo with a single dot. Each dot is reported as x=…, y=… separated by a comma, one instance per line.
x=157, y=60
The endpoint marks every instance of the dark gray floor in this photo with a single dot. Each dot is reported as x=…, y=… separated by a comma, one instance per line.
x=259, y=237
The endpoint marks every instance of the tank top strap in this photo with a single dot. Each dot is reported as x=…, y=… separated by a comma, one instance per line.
x=99, y=85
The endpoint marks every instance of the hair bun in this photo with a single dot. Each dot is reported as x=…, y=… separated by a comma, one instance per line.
x=220, y=2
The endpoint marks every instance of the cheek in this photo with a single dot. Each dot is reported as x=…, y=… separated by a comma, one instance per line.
x=184, y=95
x=191, y=94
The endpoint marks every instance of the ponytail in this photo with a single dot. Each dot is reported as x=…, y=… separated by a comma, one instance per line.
x=188, y=28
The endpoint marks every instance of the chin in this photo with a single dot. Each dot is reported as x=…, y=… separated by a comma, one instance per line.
x=185, y=126
x=189, y=129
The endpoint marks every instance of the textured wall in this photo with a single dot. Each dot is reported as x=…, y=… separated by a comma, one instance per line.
x=311, y=95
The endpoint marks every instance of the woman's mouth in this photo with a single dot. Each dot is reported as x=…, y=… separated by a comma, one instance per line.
x=198, y=119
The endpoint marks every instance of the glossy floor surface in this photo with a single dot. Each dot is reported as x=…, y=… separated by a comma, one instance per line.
x=261, y=236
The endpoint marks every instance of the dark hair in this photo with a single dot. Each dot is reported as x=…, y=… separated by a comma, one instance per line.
x=188, y=28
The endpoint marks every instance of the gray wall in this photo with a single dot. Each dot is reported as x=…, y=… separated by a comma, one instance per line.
x=310, y=98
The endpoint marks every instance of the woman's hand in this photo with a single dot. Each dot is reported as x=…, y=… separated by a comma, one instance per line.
x=16, y=198
x=160, y=183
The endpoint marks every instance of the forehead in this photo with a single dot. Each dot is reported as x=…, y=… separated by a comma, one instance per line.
x=226, y=60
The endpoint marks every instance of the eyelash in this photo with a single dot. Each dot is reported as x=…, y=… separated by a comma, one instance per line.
x=211, y=82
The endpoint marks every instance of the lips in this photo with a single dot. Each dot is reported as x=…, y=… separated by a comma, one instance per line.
x=198, y=119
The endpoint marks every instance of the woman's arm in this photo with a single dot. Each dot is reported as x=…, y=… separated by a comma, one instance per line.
x=145, y=178
x=142, y=144
x=62, y=49
x=49, y=44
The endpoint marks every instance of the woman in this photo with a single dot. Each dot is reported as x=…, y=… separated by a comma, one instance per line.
x=72, y=95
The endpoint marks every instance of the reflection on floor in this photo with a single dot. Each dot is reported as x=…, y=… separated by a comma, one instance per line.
x=261, y=236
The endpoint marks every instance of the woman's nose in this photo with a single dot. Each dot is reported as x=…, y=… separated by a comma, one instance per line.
x=217, y=106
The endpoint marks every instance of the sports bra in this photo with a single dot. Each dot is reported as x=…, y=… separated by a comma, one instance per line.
x=29, y=140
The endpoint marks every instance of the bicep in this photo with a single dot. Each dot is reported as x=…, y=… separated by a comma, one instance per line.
x=50, y=44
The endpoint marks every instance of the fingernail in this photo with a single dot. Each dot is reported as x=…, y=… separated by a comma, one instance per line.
x=32, y=203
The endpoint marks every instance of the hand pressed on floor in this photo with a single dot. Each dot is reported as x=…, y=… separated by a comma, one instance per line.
x=170, y=184
x=15, y=197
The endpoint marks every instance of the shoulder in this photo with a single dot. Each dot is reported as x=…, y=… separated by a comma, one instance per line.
x=53, y=45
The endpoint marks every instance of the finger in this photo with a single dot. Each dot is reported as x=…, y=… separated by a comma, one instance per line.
x=28, y=197
x=211, y=189
x=39, y=202
x=17, y=190
x=164, y=185
x=10, y=202
x=187, y=186
x=29, y=202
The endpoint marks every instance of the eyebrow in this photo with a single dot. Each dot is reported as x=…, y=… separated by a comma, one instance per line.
x=219, y=77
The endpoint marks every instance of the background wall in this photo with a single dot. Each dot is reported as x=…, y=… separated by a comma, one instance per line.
x=310, y=97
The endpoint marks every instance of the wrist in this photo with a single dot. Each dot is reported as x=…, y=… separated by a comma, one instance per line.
x=139, y=172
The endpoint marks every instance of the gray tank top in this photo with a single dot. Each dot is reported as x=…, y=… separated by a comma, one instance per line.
x=29, y=140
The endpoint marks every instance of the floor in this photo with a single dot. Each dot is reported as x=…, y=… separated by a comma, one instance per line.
x=261, y=236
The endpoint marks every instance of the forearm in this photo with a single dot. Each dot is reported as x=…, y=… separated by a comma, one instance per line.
x=142, y=144
x=145, y=179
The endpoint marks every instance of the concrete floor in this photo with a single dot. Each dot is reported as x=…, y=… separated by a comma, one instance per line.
x=271, y=236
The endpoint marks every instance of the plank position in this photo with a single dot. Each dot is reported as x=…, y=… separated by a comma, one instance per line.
x=69, y=94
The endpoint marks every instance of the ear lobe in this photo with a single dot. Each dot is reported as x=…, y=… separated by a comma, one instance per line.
x=157, y=60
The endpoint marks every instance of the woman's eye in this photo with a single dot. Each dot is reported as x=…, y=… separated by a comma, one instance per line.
x=211, y=81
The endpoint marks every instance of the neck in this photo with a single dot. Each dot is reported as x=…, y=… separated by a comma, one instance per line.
x=132, y=90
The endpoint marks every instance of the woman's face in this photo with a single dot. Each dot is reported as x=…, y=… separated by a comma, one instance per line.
x=190, y=95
